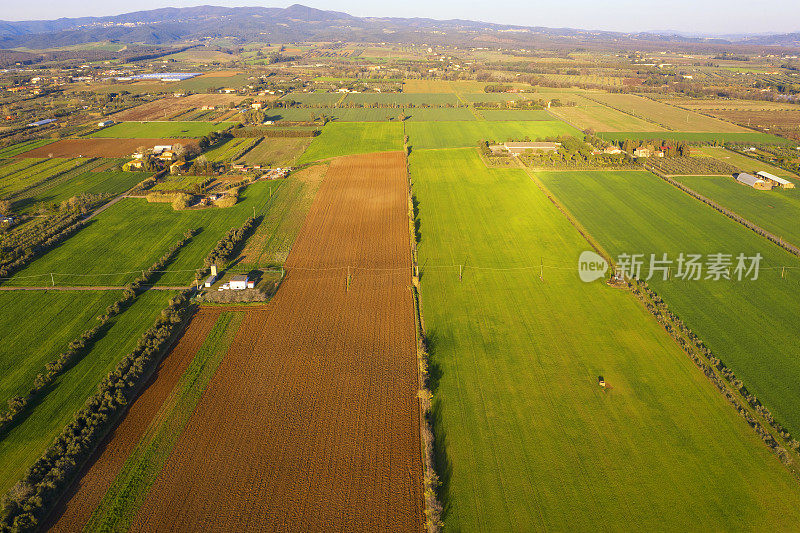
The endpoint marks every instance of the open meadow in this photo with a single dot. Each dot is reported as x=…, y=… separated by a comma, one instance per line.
x=526, y=438
x=747, y=324
x=275, y=151
x=423, y=135
x=348, y=138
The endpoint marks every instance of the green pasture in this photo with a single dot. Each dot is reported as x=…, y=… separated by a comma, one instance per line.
x=424, y=135
x=748, y=324
x=753, y=137
x=347, y=138
x=526, y=439
x=160, y=130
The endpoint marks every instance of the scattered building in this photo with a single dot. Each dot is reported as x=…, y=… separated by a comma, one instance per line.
x=754, y=182
x=516, y=148
x=613, y=150
x=41, y=122
x=105, y=123
x=775, y=180
x=642, y=152
x=158, y=149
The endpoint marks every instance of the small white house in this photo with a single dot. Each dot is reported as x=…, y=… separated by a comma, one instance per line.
x=105, y=123
x=238, y=282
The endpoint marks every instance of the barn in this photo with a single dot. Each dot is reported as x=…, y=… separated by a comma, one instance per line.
x=516, y=148
x=239, y=282
x=775, y=180
x=754, y=182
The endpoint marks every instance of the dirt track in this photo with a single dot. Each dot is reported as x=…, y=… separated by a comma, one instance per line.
x=311, y=422
x=99, y=147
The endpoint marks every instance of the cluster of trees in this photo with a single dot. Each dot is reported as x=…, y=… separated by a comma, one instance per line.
x=30, y=500
x=81, y=345
x=705, y=359
x=214, y=137
x=228, y=245
x=575, y=153
x=23, y=246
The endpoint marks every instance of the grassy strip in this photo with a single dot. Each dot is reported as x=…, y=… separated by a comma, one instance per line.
x=125, y=496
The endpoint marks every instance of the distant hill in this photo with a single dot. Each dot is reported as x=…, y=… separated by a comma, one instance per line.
x=299, y=23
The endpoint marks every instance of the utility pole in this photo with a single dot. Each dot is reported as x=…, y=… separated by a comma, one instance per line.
x=52, y=279
x=541, y=268
x=459, y=273
x=783, y=271
x=348, y=278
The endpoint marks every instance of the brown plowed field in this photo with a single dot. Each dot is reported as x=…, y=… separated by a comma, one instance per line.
x=99, y=147
x=311, y=421
x=85, y=495
x=170, y=106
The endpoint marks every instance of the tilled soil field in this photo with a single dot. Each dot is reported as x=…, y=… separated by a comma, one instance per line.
x=165, y=108
x=311, y=422
x=99, y=147
x=87, y=493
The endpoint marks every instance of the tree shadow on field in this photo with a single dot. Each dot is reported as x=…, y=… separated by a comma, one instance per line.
x=417, y=219
x=441, y=462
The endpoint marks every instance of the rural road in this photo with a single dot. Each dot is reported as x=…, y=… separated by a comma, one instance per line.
x=86, y=288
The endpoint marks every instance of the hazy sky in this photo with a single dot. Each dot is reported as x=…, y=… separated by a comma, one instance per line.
x=707, y=16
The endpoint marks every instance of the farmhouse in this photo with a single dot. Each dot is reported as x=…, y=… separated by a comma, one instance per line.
x=754, y=182
x=642, y=152
x=775, y=180
x=158, y=149
x=239, y=282
x=516, y=148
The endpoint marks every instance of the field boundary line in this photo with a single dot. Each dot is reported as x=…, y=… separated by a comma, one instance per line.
x=778, y=241
x=431, y=481
x=651, y=121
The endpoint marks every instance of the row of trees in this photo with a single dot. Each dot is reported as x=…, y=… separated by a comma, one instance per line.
x=32, y=498
x=228, y=245
x=705, y=359
x=83, y=343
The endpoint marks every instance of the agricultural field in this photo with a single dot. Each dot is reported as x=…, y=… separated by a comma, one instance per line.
x=628, y=213
x=719, y=104
x=230, y=150
x=26, y=441
x=747, y=164
x=25, y=351
x=601, y=118
x=272, y=240
x=402, y=99
x=112, y=489
x=692, y=165
x=180, y=183
x=511, y=114
x=276, y=151
x=777, y=210
x=19, y=175
x=315, y=99
x=368, y=462
x=425, y=135
x=348, y=138
x=525, y=434
x=169, y=107
x=667, y=116
x=99, y=147
x=19, y=148
x=150, y=130
x=130, y=235
x=750, y=137
x=762, y=119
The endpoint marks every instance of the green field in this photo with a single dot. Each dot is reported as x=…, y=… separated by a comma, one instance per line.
x=276, y=151
x=314, y=99
x=25, y=350
x=370, y=114
x=462, y=134
x=696, y=137
x=531, y=441
x=515, y=114
x=132, y=234
x=748, y=324
x=25, y=442
x=402, y=99
x=179, y=183
x=160, y=130
x=83, y=180
x=346, y=138
x=777, y=210
x=123, y=499
x=18, y=175
x=747, y=164
x=229, y=150
x=19, y=148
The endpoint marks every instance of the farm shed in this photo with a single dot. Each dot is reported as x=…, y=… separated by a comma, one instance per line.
x=517, y=148
x=105, y=123
x=210, y=280
x=775, y=180
x=239, y=282
x=752, y=181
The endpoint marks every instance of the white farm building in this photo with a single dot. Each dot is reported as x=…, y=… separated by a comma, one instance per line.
x=775, y=180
